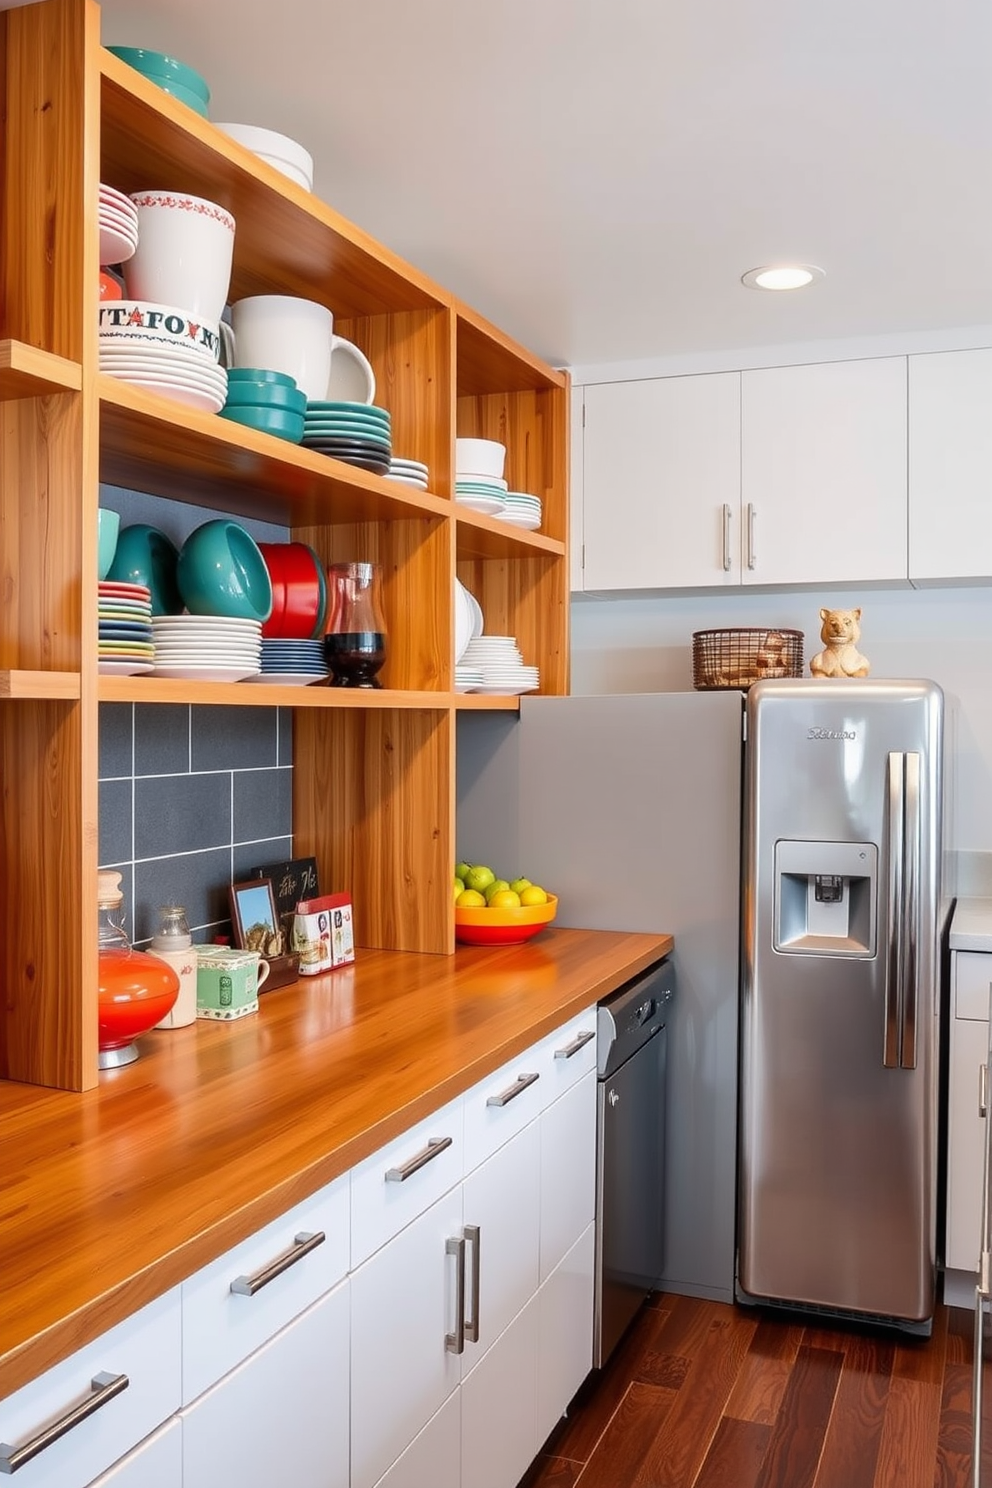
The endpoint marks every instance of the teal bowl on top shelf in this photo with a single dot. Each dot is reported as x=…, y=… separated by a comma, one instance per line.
x=266, y=395
x=160, y=66
x=282, y=422
x=185, y=95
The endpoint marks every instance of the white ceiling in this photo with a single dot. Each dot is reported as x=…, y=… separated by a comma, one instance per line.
x=595, y=175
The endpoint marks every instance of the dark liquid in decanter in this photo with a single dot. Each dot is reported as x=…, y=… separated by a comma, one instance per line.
x=354, y=657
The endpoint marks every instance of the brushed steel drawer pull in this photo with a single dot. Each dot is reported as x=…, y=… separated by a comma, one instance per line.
x=473, y=1234
x=303, y=1244
x=512, y=1091
x=454, y=1342
x=579, y=1042
x=420, y=1160
x=983, y=1089
x=104, y=1386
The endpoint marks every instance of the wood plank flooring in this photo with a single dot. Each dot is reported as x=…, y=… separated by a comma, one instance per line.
x=704, y=1395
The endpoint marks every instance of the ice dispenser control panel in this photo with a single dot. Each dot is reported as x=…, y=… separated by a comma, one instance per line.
x=826, y=896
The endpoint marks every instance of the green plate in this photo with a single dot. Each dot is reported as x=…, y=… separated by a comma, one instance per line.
x=363, y=410
x=347, y=428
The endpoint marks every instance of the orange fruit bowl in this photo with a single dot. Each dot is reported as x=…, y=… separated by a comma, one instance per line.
x=503, y=926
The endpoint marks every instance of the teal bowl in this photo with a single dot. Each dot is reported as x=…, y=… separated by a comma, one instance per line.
x=222, y=572
x=146, y=556
x=108, y=528
x=185, y=95
x=245, y=394
x=260, y=374
x=159, y=65
x=282, y=422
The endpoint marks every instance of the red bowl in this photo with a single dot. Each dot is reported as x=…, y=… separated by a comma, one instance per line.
x=135, y=992
x=294, y=567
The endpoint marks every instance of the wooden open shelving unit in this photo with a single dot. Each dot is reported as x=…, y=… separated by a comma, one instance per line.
x=374, y=774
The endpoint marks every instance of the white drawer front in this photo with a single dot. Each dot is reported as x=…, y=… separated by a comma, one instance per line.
x=972, y=983
x=502, y=1104
x=401, y=1180
x=145, y=1349
x=157, y=1463
x=222, y=1326
x=568, y=1054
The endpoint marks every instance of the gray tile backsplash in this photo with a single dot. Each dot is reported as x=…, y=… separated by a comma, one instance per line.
x=190, y=799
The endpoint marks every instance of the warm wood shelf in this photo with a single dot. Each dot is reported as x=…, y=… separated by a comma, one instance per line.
x=145, y=689
x=289, y=241
x=490, y=362
x=26, y=372
x=488, y=537
x=47, y=686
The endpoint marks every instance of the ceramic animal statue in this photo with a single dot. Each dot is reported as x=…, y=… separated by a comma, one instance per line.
x=840, y=633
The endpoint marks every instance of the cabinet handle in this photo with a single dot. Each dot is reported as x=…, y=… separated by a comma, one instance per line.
x=419, y=1160
x=727, y=517
x=983, y=1089
x=752, y=556
x=303, y=1244
x=511, y=1092
x=454, y=1342
x=473, y=1234
x=579, y=1042
x=104, y=1386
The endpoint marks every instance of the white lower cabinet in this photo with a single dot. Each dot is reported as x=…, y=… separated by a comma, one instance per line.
x=282, y=1415
x=565, y=1331
x=499, y=1407
x=156, y=1463
x=434, y=1457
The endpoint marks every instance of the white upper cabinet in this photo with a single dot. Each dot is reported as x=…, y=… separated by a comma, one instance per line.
x=824, y=473
x=950, y=466
x=661, y=483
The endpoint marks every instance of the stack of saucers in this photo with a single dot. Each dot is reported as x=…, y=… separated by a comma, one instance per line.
x=522, y=510
x=501, y=664
x=294, y=662
x=125, y=624
x=409, y=472
x=185, y=376
x=481, y=493
x=358, y=433
x=210, y=648
x=468, y=678
x=118, y=226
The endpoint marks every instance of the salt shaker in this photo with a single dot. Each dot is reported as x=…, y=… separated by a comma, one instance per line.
x=173, y=944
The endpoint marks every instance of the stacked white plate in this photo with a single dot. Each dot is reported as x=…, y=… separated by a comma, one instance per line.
x=118, y=226
x=125, y=644
x=184, y=375
x=481, y=493
x=295, y=662
x=408, y=472
x=469, y=679
x=501, y=664
x=211, y=648
x=468, y=619
x=522, y=510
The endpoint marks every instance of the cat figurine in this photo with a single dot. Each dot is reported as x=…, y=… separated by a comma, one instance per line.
x=840, y=633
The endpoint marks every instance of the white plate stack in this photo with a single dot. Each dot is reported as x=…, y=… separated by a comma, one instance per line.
x=118, y=226
x=481, y=493
x=408, y=472
x=501, y=664
x=171, y=372
x=208, y=648
x=522, y=510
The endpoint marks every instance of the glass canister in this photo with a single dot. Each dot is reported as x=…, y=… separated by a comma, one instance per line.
x=173, y=944
x=355, y=639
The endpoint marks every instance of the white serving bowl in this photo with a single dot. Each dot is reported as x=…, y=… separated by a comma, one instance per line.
x=277, y=150
x=150, y=327
x=485, y=456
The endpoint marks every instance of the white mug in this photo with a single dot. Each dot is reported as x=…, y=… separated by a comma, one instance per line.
x=184, y=253
x=284, y=334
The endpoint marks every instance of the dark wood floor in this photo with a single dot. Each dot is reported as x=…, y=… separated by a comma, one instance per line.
x=705, y=1395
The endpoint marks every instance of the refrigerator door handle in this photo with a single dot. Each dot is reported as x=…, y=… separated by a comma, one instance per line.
x=894, y=915
x=911, y=913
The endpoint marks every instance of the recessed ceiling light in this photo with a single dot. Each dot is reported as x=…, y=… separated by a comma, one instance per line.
x=782, y=276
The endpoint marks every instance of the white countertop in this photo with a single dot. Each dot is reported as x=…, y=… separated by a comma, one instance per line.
x=971, y=925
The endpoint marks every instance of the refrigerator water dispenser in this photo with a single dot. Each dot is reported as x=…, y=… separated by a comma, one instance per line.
x=825, y=898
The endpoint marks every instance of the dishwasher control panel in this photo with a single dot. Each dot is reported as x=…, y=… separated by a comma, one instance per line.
x=633, y=1014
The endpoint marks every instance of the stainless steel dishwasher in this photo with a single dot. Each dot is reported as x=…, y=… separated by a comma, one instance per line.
x=632, y=1044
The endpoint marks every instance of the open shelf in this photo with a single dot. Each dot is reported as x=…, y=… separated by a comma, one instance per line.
x=40, y=686
x=146, y=689
x=27, y=372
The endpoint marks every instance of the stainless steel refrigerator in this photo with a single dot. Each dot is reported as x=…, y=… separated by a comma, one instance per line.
x=840, y=997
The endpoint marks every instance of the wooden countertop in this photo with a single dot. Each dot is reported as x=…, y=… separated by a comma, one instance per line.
x=109, y=1198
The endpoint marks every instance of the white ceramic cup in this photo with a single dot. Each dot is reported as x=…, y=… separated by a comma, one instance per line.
x=130, y=325
x=184, y=253
x=285, y=334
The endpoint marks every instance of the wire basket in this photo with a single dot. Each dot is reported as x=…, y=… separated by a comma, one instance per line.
x=736, y=658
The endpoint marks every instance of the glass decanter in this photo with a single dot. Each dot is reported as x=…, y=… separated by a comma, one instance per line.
x=355, y=640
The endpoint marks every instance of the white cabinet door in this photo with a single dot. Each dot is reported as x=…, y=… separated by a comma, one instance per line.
x=502, y=1201
x=282, y=1415
x=823, y=473
x=499, y=1408
x=950, y=465
x=402, y=1307
x=434, y=1458
x=568, y=1170
x=965, y=1145
x=156, y=1463
x=661, y=483
x=565, y=1332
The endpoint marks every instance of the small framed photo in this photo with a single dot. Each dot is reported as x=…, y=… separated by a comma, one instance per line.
x=253, y=915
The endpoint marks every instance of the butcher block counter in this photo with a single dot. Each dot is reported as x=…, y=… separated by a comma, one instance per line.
x=109, y=1198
